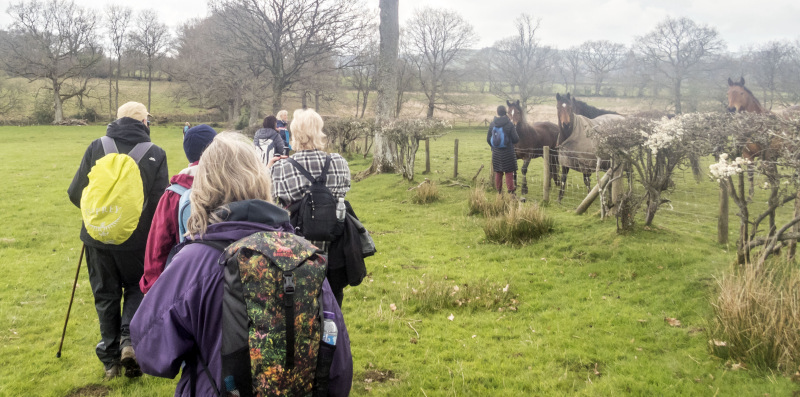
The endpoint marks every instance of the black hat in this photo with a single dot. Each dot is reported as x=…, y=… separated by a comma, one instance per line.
x=501, y=110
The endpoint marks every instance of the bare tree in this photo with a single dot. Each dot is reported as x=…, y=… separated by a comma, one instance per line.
x=523, y=62
x=601, y=57
x=571, y=67
x=280, y=37
x=117, y=20
x=678, y=48
x=436, y=38
x=769, y=63
x=362, y=72
x=211, y=77
x=53, y=41
x=152, y=38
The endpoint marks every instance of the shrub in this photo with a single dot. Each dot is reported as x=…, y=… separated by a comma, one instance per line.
x=43, y=112
x=757, y=316
x=425, y=193
x=520, y=224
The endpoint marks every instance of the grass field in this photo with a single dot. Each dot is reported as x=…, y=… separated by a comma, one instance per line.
x=583, y=311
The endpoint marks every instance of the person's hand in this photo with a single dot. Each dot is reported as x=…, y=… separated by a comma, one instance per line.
x=276, y=158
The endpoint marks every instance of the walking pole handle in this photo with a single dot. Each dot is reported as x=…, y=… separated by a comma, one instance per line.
x=75, y=284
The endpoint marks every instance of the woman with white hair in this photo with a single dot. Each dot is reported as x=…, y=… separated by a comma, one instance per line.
x=180, y=319
x=282, y=125
x=289, y=183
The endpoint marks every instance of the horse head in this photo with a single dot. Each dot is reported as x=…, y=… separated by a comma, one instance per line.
x=515, y=112
x=741, y=99
x=565, y=108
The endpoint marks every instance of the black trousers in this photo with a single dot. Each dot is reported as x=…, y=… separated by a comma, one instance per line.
x=114, y=276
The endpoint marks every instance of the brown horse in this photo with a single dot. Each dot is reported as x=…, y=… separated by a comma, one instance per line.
x=532, y=139
x=576, y=149
x=741, y=99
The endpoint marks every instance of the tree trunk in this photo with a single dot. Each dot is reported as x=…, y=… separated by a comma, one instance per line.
x=116, y=91
x=110, y=88
x=364, y=104
x=277, y=97
x=678, y=96
x=316, y=100
x=358, y=102
x=58, y=111
x=149, y=86
x=431, y=105
x=255, y=107
x=384, y=156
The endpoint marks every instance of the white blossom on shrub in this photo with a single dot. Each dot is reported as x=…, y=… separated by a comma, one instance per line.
x=723, y=169
x=665, y=132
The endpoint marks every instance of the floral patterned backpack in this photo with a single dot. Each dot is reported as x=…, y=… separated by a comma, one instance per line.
x=272, y=317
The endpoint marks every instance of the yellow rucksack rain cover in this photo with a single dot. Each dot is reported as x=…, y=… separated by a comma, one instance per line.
x=111, y=204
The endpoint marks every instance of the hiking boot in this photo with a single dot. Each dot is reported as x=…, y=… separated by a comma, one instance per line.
x=113, y=371
x=128, y=361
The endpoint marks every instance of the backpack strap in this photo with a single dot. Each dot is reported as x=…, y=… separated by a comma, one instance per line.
x=184, y=209
x=109, y=146
x=322, y=178
x=138, y=151
x=180, y=190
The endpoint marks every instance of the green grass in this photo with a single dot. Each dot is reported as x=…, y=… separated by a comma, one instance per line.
x=590, y=304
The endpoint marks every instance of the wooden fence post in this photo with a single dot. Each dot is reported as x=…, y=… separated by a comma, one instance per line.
x=428, y=156
x=617, y=186
x=722, y=223
x=455, y=167
x=546, y=174
x=584, y=205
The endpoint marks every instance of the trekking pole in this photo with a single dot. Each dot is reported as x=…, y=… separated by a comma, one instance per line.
x=75, y=284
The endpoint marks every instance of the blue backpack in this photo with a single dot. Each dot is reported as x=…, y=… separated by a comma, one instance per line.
x=498, y=138
x=184, y=208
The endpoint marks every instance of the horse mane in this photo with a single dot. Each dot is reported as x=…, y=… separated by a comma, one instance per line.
x=584, y=109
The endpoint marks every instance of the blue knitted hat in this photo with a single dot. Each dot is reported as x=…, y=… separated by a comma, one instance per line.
x=196, y=140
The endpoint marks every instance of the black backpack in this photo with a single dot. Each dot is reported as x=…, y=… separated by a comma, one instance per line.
x=315, y=216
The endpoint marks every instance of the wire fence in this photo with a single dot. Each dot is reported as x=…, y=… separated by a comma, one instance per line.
x=691, y=202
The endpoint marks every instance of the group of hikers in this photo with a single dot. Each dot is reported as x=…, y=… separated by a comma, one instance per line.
x=232, y=271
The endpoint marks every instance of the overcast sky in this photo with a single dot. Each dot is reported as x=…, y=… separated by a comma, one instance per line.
x=563, y=23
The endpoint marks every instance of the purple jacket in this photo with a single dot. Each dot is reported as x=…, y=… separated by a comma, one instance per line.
x=183, y=310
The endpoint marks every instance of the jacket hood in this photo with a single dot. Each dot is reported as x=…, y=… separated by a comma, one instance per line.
x=129, y=131
x=243, y=218
x=500, y=121
x=183, y=179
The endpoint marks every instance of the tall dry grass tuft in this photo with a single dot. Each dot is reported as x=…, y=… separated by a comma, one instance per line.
x=757, y=316
x=480, y=204
x=435, y=296
x=426, y=193
x=518, y=225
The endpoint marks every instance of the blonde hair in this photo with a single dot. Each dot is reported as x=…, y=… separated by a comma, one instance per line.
x=306, y=130
x=281, y=114
x=229, y=171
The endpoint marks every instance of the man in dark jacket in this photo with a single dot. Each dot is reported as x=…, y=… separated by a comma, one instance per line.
x=504, y=160
x=115, y=270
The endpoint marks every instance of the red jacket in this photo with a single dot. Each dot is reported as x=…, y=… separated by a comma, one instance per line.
x=163, y=232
